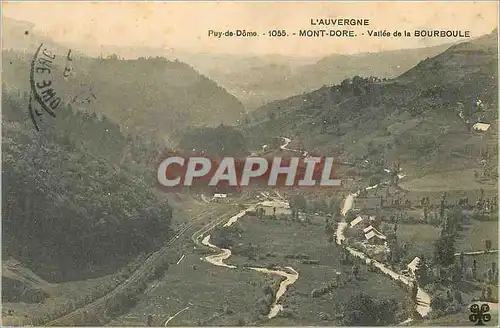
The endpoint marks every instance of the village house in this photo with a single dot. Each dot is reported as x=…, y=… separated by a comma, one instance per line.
x=482, y=127
x=356, y=221
x=373, y=236
x=413, y=266
x=218, y=197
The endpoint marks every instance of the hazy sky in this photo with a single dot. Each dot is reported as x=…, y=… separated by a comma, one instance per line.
x=183, y=25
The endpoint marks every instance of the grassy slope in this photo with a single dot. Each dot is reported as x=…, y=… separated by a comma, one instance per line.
x=411, y=119
x=206, y=286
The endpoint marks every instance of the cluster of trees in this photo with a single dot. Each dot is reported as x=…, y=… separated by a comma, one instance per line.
x=17, y=291
x=418, y=145
x=359, y=86
x=219, y=141
x=441, y=275
x=317, y=292
x=298, y=203
x=122, y=301
x=363, y=310
x=226, y=237
x=263, y=304
x=75, y=199
x=446, y=301
x=447, y=272
x=94, y=294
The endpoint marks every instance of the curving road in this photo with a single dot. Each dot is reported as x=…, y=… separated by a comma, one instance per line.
x=290, y=279
x=423, y=301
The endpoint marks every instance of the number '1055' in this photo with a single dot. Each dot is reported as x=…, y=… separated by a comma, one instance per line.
x=277, y=33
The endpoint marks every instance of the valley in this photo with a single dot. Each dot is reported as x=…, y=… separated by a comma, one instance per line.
x=411, y=238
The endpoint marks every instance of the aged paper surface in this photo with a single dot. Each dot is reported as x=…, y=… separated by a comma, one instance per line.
x=249, y=163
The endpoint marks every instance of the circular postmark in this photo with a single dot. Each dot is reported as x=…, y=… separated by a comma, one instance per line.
x=53, y=83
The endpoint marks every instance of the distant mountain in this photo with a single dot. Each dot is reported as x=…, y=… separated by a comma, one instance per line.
x=413, y=118
x=254, y=80
x=258, y=80
x=386, y=64
x=154, y=94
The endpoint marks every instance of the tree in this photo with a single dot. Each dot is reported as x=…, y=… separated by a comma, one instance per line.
x=334, y=207
x=320, y=205
x=363, y=310
x=346, y=86
x=349, y=216
x=487, y=245
x=149, y=320
x=462, y=264
x=113, y=57
x=421, y=274
x=442, y=205
x=375, y=180
x=298, y=202
x=87, y=201
x=328, y=228
x=414, y=290
x=444, y=250
x=355, y=271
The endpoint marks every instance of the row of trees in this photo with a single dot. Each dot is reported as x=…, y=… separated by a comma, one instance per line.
x=299, y=203
x=91, y=295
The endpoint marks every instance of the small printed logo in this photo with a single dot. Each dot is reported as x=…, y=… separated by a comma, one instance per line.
x=480, y=315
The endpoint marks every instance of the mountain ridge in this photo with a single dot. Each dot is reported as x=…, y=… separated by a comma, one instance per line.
x=412, y=118
x=158, y=95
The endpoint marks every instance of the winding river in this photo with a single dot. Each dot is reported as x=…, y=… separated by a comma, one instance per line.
x=423, y=299
x=290, y=275
x=223, y=254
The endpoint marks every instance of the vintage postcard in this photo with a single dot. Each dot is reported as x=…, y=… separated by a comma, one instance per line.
x=258, y=163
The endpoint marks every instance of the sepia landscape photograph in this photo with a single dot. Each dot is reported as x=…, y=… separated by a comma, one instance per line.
x=99, y=98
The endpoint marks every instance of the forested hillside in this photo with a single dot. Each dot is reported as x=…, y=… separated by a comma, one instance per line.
x=418, y=118
x=76, y=199
x=267, y=78
x=220, y=141
x=153, y=94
